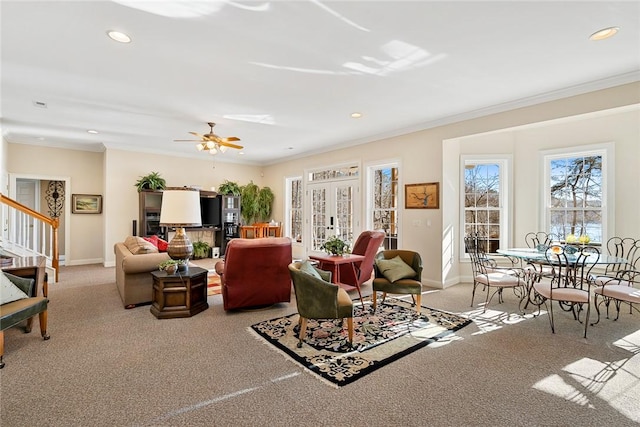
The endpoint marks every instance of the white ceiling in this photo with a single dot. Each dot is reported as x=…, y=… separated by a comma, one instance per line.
x=297, y=68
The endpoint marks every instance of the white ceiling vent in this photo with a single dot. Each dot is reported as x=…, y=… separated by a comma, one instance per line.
x=40, y=104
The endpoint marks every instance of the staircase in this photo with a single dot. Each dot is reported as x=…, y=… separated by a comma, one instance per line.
x=27, y=233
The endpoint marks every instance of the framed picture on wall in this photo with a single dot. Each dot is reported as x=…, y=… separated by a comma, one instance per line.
x=86, y=203
x=422, y=196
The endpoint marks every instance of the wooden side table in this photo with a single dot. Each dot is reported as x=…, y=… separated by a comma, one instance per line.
x=333, y=262
x=183, y=294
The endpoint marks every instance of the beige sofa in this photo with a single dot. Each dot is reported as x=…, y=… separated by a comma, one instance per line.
x=133, y=278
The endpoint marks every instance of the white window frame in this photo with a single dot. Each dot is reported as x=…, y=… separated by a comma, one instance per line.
x=287, y=207
x=607, y=152
x=505, y=162
x=370, y=185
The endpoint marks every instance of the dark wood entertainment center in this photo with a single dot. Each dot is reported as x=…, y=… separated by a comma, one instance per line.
x=227, y=218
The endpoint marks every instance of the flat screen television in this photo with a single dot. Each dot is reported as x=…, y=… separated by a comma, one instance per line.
x=211, y=210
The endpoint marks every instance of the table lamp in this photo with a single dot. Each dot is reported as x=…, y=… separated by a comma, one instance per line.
x=180, y=208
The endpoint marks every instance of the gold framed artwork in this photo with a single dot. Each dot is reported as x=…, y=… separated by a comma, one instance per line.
x=422, y=196
x=86, y=203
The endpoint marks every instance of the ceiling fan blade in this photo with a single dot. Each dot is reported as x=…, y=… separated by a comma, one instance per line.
x=186, y=140
x=232, y=138
x=228, y=144
x=196, y=134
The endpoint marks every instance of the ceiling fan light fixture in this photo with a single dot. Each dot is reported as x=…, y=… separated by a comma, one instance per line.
x=605, y=33
x=210, y=145
x=200, y=147
x=222, y=149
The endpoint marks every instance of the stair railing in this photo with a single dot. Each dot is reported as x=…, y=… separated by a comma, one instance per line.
x=26, y=232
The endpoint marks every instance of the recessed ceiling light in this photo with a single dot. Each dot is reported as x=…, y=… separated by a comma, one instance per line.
x=93, y=131
x=356, y=115
x=241, y=153
x=118, y=36
x=605, y=33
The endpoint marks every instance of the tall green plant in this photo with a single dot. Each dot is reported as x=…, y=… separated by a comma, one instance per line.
x=249, y=205
x=265, y=203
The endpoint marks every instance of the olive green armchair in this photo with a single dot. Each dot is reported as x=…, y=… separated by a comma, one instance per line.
x=317, y=298
x=406, y=284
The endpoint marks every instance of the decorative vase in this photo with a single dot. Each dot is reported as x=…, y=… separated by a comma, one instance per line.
x=171, y=269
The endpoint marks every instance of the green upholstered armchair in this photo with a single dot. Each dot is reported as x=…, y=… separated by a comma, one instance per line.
x=317, y=298
x=408, y=285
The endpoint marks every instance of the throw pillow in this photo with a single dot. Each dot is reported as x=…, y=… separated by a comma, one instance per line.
x=152, y=239
x=137, y=245
x=307, y=267
x=157, y=242
x=24, y=284
x=162, y=245
x=395, y=269
x=8, y=291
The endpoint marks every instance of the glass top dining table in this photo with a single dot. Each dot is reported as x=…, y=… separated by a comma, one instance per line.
x=534, y=255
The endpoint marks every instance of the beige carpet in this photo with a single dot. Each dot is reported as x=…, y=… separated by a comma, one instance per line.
x=107, y=366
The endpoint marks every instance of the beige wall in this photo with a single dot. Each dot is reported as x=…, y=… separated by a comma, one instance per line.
x=84, y=169
x=124, y=168
x=425, y=156
x=433, y=155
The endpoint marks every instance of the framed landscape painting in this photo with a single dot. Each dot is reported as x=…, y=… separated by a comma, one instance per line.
x=86, y=203
x=422, y=196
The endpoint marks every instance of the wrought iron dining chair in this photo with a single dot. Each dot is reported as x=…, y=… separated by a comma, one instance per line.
x=620, y=247
x=487, y=273
x=535, y=238
x=620, y=281
x=571, y=284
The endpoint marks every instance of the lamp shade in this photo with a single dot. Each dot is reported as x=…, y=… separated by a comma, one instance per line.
x=180, y=207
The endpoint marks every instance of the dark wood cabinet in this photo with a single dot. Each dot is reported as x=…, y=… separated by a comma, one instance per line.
x=180, y=294
x=230, y=220
x=149, y=218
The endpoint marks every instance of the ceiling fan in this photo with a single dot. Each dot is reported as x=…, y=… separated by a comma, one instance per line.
x=211, y=142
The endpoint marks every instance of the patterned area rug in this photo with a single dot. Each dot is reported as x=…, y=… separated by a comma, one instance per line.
x=213, y=283
x=391, y=333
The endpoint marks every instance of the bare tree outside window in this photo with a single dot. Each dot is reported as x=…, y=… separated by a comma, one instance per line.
x=576, y=197
x=385, y=204
x=295, y=210
x=482, y=209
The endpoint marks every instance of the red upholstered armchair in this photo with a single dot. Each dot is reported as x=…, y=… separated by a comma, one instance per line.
x=255, y=272
x=367, y=244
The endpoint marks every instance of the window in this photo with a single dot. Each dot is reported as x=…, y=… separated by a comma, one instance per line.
x=485, y=200
x=294, y=209
x=383, y=194
x=575, y=194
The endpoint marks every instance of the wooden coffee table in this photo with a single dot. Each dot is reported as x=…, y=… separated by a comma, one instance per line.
x=183, y=294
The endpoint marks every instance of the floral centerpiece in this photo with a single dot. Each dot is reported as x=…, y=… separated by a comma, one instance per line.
x=335, y=246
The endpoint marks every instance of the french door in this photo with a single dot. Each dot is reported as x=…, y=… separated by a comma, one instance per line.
x=334, y=211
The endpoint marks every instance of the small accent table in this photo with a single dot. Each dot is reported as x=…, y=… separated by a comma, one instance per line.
x=332, y=263
x=183, y=294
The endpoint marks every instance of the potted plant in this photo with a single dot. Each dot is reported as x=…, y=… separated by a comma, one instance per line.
x=249, y=202
x=170, y=266
x=335, y=246
x=153, y=181
x=256, y=203
x=229, y=187
x=201, y=249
